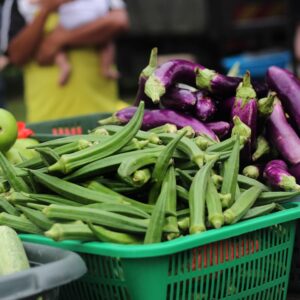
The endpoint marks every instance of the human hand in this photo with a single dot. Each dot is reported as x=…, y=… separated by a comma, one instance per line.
x=52, y=5
x=50, y=46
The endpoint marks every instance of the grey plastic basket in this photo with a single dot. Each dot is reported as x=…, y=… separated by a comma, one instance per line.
x=50, y=268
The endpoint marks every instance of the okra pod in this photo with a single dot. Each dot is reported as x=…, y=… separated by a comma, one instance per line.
x=214, y=206
x=182, y=193
x=166, y=128
x=107, y=164
x=246, y=182
x=36, y=217
x=19, y=223
x=231, y=169
x=258, y=211
x=109, y=236
x=280, y=196
x=70, y=162
x=50, y=199
x=241, y=206
x=186, y=145
x=75, y=231
x=197, y=196
x=10, y=173
x=7, y=207
x=161, y=167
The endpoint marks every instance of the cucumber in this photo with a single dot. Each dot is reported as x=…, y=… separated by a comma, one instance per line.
x=12, y=253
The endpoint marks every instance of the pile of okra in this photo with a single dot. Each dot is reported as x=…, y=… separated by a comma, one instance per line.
x=121, y=184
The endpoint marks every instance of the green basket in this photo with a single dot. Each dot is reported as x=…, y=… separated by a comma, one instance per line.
x=48, y=130
x=247, y=260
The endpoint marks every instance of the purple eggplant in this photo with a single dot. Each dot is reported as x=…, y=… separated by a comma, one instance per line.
x=295, y=171
x=146, y=72
x=205, y=107
x=245, y=107
x=169, y=73
x=277, y=174
x=282, y=135
x=222, y=85
x=220, y=128
x=287, y=87
x=158, y=117
x=180, y=98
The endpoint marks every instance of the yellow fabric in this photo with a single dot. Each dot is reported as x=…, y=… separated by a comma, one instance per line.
x=85, y=92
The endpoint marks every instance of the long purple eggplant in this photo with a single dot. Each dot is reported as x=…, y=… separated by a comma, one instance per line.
x=222, y=85
x=220, y=128
x=145, y=74
x=245, y=107
x=282, y=135
x=287, y=87
x=179, y=98
x=158, y=117
x=169, y=73
x=205, y=107
x=277, y=174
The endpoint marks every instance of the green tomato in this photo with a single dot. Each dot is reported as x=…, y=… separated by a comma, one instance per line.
x=8, y=129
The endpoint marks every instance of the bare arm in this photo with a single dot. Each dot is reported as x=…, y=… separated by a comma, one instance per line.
x=98, y=32
x=23, y=46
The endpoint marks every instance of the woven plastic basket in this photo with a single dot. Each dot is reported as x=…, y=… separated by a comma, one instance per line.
x=247, y=260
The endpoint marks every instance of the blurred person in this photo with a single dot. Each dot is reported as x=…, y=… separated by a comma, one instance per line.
x=72, y=15
x=33, y=38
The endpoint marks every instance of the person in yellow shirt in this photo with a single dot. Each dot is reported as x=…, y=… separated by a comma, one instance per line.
x=34, y=46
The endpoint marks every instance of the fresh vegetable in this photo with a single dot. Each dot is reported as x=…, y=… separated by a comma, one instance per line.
x=277, y=174
x=145, y=74
x=9, y=129
x=262, y=148
x=287, y=87
x=205, y=107
x=251, y=171
x=12, y=253
x=220, y=128
x=169, y=73
x=181, y=99
x=281, y=134
x=158, y=117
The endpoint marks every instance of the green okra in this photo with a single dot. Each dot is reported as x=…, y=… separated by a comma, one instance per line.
x=141, y=177
x=36, y=206
x=48, y=155
x=124, y=209
x=116, y=185
x=72, y=161
x=189, y=131
x=75, y=231
x=19, y=223
x=134, y=163
x=258, y=211
x=246, y=182
x=182, y=193
x=214, y=206
x=187, y=146
x=157, y=221
x=226, y=145
x=242, y=205
x=10, y=173
x=133, y=145
x=141, y=135
x=166, y=128
x=109, y=236
x=231, y=169
x=108, y=164
x=96, y=216
x=184, y=223
x=7, y=207
x=50, y=199
x=36, y=217
x=73, y=191
x=161, y=167
x=197, y=196
x=204, y=141
x=280, y=196
x=171, y=205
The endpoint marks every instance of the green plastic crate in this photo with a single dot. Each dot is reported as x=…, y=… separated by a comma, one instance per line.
x=247, y=260
x=48, y=130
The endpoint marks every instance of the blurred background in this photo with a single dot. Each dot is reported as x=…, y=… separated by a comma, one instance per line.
x=256, y=33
